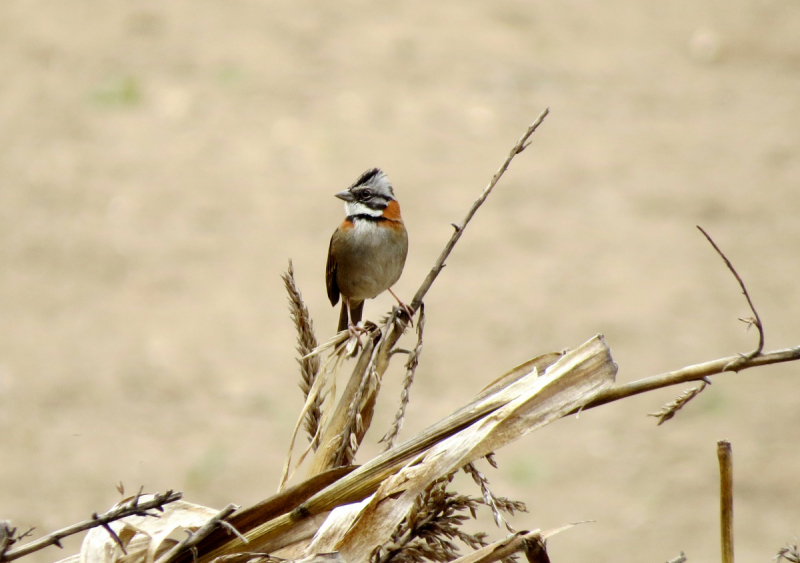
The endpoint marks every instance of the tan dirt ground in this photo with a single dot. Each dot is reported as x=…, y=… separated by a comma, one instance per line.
x=161, y=161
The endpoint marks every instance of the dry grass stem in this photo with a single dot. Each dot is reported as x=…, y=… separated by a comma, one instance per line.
x=405, y=395
x=670, y=409
x=725, y=456
x=336, y=442
x=132, y=507
x=355, y=429
x=306, y=343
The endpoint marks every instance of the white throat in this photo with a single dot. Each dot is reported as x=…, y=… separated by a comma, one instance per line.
x=356, y=208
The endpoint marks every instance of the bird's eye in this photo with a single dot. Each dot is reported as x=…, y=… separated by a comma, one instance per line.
x=366, y=194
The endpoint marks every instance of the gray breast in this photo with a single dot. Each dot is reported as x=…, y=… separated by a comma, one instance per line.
x=371, y=260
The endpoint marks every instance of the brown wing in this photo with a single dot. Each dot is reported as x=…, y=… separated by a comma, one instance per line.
x=330, y=276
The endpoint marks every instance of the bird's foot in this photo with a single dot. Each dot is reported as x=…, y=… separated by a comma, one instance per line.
x=406, y=309
x=354, y=333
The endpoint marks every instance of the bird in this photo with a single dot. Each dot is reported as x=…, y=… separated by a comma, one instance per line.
x=368, y=250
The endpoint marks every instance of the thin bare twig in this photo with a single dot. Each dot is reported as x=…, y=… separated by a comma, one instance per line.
x=521, y=145
x=191, y=540
x=756, y=320
x=669, y=410
x=726, y=498
x=128, y=509
x=405, y=395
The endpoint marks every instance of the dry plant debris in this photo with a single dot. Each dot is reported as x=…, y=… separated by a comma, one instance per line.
x=395, y=507
x=426, y=533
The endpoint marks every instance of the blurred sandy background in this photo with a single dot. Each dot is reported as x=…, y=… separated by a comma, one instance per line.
x=161, y=161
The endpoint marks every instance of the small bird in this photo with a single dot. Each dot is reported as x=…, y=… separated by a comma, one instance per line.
x=368, y=250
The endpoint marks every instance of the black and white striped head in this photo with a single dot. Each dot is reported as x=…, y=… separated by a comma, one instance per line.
x=369, y=195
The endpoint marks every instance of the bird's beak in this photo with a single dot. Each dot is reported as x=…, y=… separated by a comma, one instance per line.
x=346, y=196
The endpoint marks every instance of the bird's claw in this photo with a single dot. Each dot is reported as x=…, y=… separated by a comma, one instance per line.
x=408, y=311
x=405, y=308
x=355, y=331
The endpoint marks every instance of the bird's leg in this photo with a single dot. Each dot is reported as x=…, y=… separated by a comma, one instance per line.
x=353, y=330
x=409, y=311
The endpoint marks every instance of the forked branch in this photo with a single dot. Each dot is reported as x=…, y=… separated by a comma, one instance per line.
x=670, y=409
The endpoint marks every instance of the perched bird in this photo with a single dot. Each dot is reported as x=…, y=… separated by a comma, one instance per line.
x=368, y=250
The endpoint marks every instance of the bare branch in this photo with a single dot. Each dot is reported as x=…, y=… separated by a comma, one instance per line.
x=192, y=540
x=756, y=320
x=129, y=509
x=690, y=373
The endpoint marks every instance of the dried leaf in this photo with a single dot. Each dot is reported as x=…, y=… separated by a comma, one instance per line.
x=533, y=402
